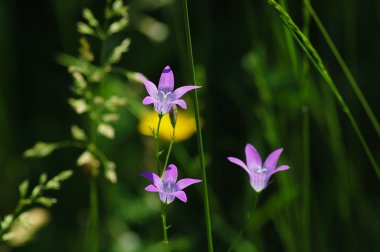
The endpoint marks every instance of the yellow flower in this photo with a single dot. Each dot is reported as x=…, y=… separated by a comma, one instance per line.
x=184, y=129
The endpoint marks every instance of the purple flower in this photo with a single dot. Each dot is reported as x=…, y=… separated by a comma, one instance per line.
x=259, y=174
x=168, y=187
x=165, y=96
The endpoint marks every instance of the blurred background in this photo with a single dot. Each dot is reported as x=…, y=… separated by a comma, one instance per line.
x=257, y=88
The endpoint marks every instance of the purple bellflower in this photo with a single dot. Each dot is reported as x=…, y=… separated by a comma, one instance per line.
x=259, y=174
x=168, y=187
x=165, y=96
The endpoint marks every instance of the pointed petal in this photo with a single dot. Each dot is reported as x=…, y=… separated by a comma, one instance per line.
x=271, y=161
x=151, y=188
x=163, y=197
x=280, y=168
x=170, y=198
x=180, y=103
x=183, y=183
x=253, y=157
x=150, y=87
x=154, y=178
x=171, y=173
x=238, y=162
x=166, y=83
x=181, y=195
x=149, y=100
x=179, y=92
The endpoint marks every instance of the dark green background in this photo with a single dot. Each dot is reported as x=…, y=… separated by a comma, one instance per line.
x=250, y=94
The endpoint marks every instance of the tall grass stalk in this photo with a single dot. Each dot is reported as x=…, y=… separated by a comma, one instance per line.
x=314, y=57
x=199, y=131
x=306, y=220
x=344, y=67
x=94, y=216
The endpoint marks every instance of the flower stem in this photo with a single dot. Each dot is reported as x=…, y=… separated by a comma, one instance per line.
x=169, y=151
x=164, y=227
x=163, y=207
x=246, y=224
x=199, y=131
x=157, y=139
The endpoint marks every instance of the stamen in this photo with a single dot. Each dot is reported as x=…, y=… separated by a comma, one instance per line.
x=165, y=97
x=261, y=170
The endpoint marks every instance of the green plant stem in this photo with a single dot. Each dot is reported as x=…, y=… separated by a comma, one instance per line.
x=157, y=139
x=306, y=140
x=246, y=224
x=169, y=151
x=94, y=236
x=199, y=130
x=314, y=57
x=345, y=68
x=163, y=206
x=164, y=227
x=291, y=46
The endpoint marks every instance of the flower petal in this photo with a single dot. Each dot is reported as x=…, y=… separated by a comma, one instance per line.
x=166, y=83
x=280, y=168
x=239, y=163
x=171, y=173
x=149, y=100
x=271, y=161
x=183, y=183
x=180, y=103
x=163, y=196
x=150, y=87
x=152, y=188
x=154, y=178
x=181, y=195
x=259, y=181
x=253, y=157
x=179, y=92
x=161, y=108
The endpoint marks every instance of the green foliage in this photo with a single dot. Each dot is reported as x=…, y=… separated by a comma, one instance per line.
x=35, y=196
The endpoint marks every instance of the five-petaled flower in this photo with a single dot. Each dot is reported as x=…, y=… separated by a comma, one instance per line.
x=259, y=174
x=168, y=187
x=165, y=96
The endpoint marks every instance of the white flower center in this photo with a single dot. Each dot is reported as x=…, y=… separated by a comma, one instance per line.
x=261, y=170
x=165, y=98
x=169, y=187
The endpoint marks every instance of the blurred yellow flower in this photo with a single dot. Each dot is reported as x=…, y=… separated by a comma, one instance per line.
x=184, y=129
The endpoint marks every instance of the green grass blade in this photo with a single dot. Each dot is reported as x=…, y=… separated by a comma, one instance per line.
x=345, y=68
x=199, y=130
x=314, y=57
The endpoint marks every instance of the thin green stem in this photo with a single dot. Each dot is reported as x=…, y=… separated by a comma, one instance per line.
x=246, y=224
x=345, y=68
x=164, y=227
x=157, y=139
x=163, y=206
x=169, y=151
x=314, y=57
x=291, y=47
x=94, y=215
x=306, y=140
x=199, y=131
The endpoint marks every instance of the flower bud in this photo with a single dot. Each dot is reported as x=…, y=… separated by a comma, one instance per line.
x=173, y=115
